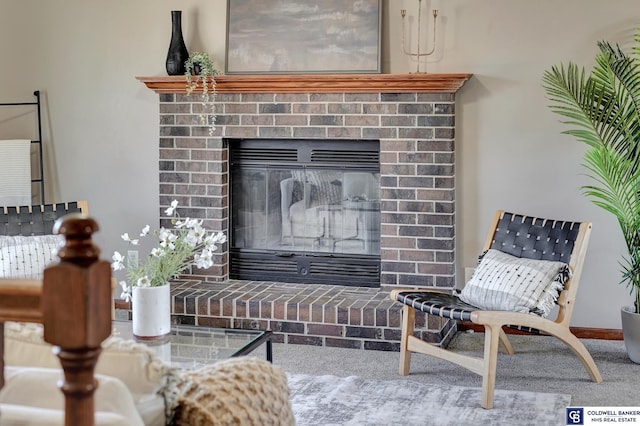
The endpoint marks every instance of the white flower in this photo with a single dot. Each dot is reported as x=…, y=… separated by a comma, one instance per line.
x=212, y=240
x=145, y=231
x=204, y=259
x=143, y=282
x=221, y=238
x=171, y=210
x=191, y=239
x=198, y=232
x=193, y=223
x=118, y=261
x=167, y=239
x=126, y=291
x=157, y=252
x=127, y=238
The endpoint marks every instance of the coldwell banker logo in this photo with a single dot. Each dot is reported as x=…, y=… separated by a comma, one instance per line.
x=575, y=416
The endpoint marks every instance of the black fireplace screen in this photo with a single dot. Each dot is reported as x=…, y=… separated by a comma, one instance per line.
x=305, y=211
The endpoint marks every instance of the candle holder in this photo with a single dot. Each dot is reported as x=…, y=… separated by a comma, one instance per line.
x=418, y=54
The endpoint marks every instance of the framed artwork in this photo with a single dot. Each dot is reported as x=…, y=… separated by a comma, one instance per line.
x=300, y=36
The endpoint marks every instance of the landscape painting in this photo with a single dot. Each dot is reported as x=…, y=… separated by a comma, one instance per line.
x=300, y=36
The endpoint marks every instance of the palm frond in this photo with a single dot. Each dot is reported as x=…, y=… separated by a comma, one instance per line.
x=602, y=110
x=586, y=103
x=617, y=184
x=621, y=74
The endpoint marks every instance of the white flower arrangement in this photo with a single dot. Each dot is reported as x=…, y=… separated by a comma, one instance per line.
x=187, y=244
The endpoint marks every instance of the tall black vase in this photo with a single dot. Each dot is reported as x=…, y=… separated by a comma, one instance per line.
x=178, y=53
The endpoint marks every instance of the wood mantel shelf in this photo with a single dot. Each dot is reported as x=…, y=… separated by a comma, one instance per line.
x=318, y=83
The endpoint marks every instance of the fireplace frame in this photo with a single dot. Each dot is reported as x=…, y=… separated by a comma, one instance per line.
x=194, y=170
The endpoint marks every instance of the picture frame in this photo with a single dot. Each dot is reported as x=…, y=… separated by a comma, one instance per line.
x=302, y=37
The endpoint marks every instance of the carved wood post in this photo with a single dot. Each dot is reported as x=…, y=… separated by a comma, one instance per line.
x=76, y=312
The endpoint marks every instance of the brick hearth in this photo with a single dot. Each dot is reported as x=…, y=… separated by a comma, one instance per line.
x=413, y=117
x=320, y=315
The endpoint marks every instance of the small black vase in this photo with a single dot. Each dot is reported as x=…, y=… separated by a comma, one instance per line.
x=178, y=53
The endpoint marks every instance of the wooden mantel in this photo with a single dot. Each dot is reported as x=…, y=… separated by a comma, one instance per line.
x=318, y=83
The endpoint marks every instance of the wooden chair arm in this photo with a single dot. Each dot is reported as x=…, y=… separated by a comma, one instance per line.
x=20, y=300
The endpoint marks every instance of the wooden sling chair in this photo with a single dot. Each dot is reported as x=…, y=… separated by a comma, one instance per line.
x=73, y=302
x=530, y=240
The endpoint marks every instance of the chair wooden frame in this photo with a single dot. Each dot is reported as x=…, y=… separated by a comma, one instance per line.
x=495, y=321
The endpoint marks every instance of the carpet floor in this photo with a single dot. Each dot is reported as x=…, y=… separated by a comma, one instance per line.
x=541, y=365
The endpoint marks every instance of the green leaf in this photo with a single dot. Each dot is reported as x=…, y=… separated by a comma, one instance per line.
x=602, y=110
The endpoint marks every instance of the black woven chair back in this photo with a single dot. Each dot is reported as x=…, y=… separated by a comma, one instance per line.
x=38, y=221
x=535, y=238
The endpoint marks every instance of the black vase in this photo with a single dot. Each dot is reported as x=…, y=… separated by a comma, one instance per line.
x=178, y=53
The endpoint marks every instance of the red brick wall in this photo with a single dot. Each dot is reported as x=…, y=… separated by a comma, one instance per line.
x=416, y=133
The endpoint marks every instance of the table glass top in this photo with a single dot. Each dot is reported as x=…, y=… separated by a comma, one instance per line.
x=190, y=347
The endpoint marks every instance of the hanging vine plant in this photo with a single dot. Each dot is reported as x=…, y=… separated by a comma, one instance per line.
x=201, y=71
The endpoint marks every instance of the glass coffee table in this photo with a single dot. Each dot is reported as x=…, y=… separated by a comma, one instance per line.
x=190, y=347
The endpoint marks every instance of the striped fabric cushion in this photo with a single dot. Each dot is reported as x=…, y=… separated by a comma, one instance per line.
x=502, y=282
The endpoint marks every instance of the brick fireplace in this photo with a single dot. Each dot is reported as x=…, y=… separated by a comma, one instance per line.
x=412, y=117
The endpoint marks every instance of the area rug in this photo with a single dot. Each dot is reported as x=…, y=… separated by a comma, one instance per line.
x=331, y=400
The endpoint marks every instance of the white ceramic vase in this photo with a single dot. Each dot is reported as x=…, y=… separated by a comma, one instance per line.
x=151, y=312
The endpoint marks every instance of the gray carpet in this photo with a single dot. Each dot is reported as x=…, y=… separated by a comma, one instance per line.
x=354, y=401
x=541, y=364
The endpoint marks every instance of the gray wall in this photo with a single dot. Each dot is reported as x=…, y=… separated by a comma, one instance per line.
x=101, y=124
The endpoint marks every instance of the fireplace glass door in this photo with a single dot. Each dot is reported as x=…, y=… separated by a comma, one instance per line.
x=307, y=210
x=304, y=221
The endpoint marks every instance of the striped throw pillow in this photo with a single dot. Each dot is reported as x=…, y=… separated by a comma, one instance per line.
x=502, y=282
x=26, y=257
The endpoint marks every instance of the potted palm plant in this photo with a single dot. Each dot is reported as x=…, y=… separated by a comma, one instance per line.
x=602, y=109
x=200, y=70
